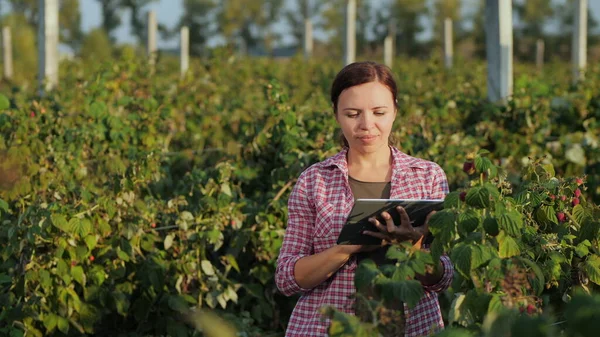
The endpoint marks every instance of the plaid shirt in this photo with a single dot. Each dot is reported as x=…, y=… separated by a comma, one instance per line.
x=317, y=209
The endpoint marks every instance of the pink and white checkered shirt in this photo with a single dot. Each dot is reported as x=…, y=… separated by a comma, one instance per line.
x=317, y=209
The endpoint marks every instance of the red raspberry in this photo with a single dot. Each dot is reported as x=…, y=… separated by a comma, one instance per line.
x=579, y=181
x=32, y=114
x=462, y=196
x=531, y=309
x=153, y=225
x=73, y=263
x=563, y=197
x=577, y=193
x=552, y=197
x=469, y=167
x=92, y=258
x=560, y=216
x=575, y=201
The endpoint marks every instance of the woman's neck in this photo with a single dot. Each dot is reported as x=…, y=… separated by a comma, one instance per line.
x=370, y=160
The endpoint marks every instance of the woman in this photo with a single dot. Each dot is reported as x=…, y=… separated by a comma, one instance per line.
x=363, y=95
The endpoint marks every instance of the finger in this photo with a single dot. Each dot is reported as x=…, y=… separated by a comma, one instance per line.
x=404, y=218
x=378, y=224
x=426, y=225
x=391, y=227
x=377, y=235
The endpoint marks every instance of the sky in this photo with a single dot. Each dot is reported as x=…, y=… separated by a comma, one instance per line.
x=168, y=13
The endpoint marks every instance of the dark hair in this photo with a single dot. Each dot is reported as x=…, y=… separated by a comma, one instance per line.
x=360, y=73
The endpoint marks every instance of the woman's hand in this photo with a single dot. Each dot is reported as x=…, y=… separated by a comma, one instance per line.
x=390, y=232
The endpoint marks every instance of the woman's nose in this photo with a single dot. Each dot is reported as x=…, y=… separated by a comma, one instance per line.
x=366, y=120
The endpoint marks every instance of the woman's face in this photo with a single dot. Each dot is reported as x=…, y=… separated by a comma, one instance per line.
x=366, y=114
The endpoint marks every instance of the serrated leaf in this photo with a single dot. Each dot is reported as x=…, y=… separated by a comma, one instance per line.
x=507, y=246
x=468, y=221
x=78, y=275
x=63, y=325
x=582, y=248
x=451, y=200
x=537, y=282
x=478, y=197
x=546, y=215
x=495, y=304
x=91, y=242
x=50, y=321
x=226, y=189
x=366, y=273
x=177, y=303
x=408, y=291
x=123, y=255
x=443, y=226
x=59, y=221
x=592, y=268
x=579, y=214
x=207, y=267
x=3, y=205
x=549, y=168
x=81, y=227
x=511, y=222
x=482, y=164
x=490, y=225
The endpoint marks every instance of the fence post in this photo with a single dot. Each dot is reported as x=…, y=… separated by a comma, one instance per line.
x=448, y=47
x=350, y=36
x=539, y=54
x=579, y=49
x=152, y=38
x=8, y=57
x=48, y=45
x=185, y=50
x=308, y=39
x=499, y=49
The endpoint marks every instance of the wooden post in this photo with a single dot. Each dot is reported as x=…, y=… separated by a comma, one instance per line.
x=152, y=38
x=388, y=44
x=48, y=45
x=448, y=47
x=539, y=54
x=579, y=49
x=350, y=36
x=308, y=39
x=185, y=50
x=7, y=48
x=499, y=49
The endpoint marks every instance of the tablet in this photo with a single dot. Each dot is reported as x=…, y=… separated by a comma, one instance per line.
x=363, y=209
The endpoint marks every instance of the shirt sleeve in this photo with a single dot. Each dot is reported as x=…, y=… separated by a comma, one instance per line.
x=440, y=184
x=297, y=241
x=447, y=276
x=439, y=191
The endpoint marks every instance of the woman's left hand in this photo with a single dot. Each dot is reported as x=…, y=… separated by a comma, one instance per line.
x=390, y=232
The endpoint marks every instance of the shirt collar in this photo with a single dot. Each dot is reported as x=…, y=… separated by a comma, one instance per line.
x=400, y=161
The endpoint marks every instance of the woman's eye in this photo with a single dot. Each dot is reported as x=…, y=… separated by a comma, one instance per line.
x=352, y=115
x=379, y=113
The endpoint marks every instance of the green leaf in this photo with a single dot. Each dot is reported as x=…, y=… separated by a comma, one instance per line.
x=232, y=262
x=4, y=102
x=579, y=214
x=546, y=215
x=366, y=273
x=78, y=275
x=443, y=226
x=511, y=222
x=63, y=325
x=478, y=197
x=177, y=303
x=482, y=164
x=582, y=248
x=549, y=168
x=91, y=242
x=537, y=282
x=122, y=255
x=508, y=246
x=592, y=268
x=408, y=291
x=168, y=241
x=5, y=279
x=490, y=225
x=81, y=227
x=451, y=200
x=3, y=205
x=59, y=221
x=495, y=304
x=50, y=321
x=207, y=268
x=467, y=257
x=468, y=221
